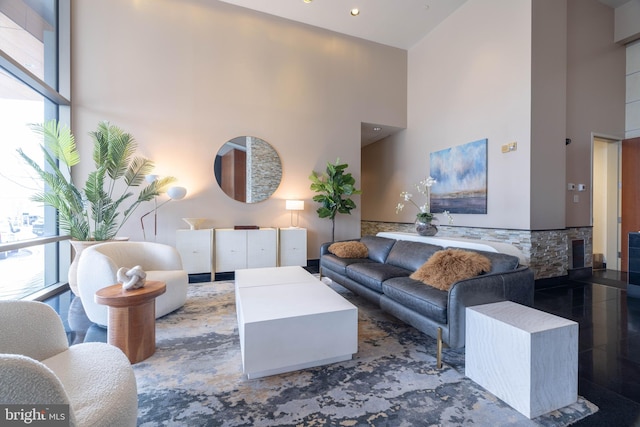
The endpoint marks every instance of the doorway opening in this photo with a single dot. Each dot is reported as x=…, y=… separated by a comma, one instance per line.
x=606, y=203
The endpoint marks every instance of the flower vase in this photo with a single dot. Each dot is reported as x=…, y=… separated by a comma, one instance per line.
x=78, y=246
x=426, y=228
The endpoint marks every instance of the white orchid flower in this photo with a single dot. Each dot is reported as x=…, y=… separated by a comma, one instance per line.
x=423, y=187
x=406, y=196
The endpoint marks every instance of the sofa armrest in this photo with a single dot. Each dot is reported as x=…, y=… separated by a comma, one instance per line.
x=32, y=329
x=24, y=380
x=324, y=248
x=517, y=285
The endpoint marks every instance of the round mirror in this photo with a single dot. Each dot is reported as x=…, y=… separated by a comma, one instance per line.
x=248, y=169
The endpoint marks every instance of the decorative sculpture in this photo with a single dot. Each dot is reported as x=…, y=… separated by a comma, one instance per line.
x=133, y=278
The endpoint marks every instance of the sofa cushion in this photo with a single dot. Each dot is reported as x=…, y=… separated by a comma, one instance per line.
x=351, y=249
x=373, y=274
x=413, y=294
x=339, y=265
x=378, y=247
x=411, y=255
x=448, y=266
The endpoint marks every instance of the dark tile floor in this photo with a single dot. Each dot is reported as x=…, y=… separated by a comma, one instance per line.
x=609, y=343
x=609, y=340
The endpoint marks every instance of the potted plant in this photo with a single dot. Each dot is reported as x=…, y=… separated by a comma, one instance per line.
x=424, y=227
x=92, y=212
x=335, y=188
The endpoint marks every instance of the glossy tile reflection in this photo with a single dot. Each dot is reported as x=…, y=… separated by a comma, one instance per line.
x=609, y=343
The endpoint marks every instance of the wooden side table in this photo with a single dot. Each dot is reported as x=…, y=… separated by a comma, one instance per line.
x=132, y=318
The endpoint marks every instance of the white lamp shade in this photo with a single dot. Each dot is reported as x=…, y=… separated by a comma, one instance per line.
x=294, y=205
x=150, y=178
x=176, y=193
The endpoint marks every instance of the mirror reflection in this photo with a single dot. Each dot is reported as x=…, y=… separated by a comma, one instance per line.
x=248, y=169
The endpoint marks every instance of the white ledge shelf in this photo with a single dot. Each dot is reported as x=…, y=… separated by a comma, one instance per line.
x=477, y=244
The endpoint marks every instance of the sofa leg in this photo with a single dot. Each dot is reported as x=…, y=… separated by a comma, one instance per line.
x=320, y=271
x=439, y=350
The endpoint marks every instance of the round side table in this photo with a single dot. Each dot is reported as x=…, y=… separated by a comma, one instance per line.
x=132, y=318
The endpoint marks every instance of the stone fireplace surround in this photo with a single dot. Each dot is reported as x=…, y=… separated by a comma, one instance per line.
x=549, y=252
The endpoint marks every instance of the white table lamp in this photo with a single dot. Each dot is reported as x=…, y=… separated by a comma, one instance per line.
x=295, y=205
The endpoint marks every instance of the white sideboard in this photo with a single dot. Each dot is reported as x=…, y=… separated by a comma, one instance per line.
x=292, y=246
x=196, y=250
x=238, y=249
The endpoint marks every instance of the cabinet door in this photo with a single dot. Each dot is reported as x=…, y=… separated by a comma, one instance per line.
x=293, y=246
x=261, y=248
x=231, y=250
x=195, y=248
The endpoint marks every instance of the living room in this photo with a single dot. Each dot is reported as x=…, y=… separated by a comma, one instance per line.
x=464, y=81
x=185, y=78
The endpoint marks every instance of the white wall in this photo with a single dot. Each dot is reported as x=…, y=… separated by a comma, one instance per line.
x=556, y=75
x=184, y=76
x=548, y=114
x=469, y=79
x=595, y=94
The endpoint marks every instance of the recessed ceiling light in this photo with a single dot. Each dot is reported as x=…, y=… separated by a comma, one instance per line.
x=355, y=11
x=307, y=1
x=377, y=129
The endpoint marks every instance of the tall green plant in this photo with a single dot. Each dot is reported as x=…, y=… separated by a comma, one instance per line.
x=93, y=212
x=334, y=188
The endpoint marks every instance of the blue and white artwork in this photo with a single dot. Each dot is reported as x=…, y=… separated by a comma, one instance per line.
x=461, y=179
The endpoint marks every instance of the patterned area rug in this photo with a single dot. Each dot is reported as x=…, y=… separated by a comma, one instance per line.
x=195, y=378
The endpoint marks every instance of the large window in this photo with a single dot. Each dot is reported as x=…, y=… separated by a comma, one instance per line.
x=34, y=76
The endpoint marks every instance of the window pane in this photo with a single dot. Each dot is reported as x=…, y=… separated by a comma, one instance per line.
x=20, y=218
x=28, y=35
x=24, y=270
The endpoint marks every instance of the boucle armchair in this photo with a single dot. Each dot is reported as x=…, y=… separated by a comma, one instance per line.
x=38, y=367
x=98, y=266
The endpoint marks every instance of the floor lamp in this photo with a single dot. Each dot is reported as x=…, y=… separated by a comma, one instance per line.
x=174, y=193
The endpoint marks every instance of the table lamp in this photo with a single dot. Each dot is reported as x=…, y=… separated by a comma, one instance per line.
x=295, y=205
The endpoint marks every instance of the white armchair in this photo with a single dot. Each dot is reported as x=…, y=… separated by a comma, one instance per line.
x=38, y=367
x=98, y=266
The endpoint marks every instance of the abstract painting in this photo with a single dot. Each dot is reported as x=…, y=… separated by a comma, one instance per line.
x=461, y=179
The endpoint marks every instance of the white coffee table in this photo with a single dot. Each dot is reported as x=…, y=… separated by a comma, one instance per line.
x=289, y=320
x=526, y=357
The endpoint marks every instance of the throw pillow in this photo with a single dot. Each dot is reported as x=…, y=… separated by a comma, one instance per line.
x=448, y=266
x=349, y=249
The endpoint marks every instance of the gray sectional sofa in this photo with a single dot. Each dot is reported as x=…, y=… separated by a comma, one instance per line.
x=383, y=278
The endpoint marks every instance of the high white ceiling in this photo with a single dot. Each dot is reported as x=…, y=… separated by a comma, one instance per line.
x=397, y=23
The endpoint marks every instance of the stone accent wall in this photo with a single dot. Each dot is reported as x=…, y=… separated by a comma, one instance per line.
x=548, y=252
x=264, y=170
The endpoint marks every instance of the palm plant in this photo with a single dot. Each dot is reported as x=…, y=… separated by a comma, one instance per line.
x=93, y=212
x=335, y=188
